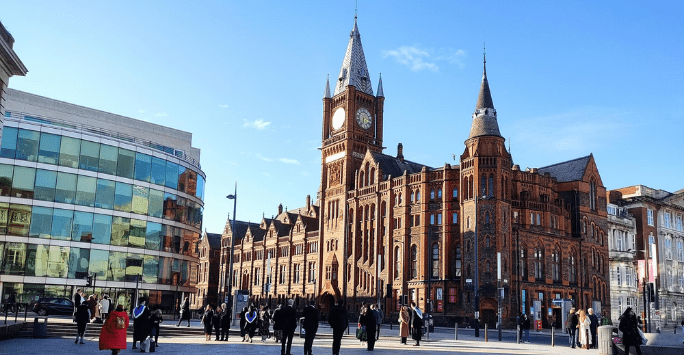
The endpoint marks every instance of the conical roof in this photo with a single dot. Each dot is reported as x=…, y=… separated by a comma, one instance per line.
x=354, y=70
x=484, y=118
x=484, y=99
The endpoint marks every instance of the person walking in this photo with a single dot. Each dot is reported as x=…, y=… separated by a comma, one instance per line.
x=584, y=330
x=630, y=333
x=184, y=312
x=92, y=303
x=377, y=312
x=243, y=324
x=206, y=321
x=526, y=328
x=367, y=320
x=310, y=324
x=104, y=307
x=416, y=323
x=572, y=327
x=216, y=322
x=155, y=320
x=338, y=322
x=289, y=323
x=77, y=301
x=82, y=320
x=113, y=332
x=141, y=323
x=404, y=319
x=225, y=322
x=593, y=328
x=277, y=324
x=265, y=323
x=519, y=326
x=251, y=325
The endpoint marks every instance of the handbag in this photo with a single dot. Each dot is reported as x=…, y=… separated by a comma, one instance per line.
x=361, y=333
x=145, y=345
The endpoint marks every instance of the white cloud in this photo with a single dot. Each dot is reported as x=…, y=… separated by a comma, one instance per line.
x=258, y=155
x=259, y=124
x=421, y=59
x=288, y=161
x=223, y=106
x=161, y=114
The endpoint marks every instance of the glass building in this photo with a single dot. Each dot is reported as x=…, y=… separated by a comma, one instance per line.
x=88, y=193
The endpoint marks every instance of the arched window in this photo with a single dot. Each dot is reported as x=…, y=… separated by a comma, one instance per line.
x=523, y=262
x=362, y=178
x=414, y=262
x=412, y=195
x=417, y=195
x=487, y=218
x=592, y=194
x=556, y=265
x=468, y=222
x=397, y=263
x=491, y=186
x=539, y=263
x=483, y=186
x=471, y=188
x=371, y=177
x=432, y=194
x=435, y=261
x=439, y=193
x=573, y=268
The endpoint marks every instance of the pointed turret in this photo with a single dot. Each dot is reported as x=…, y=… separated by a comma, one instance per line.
x=354, y=71
x=484, y=117
x=327, y=88
x=381, y=93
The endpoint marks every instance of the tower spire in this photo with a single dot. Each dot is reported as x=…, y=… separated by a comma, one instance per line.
x=381, y=93
x=354, y=70
x=484, y=117
x=327, y=87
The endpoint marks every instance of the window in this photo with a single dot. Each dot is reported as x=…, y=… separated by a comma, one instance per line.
x=439, y=218
x=439, y=193
x=491, y=186
x=592, y=195
x=23, y=182
x=523, y=262
x=90, y=155
x=297, y=272
x=538, y=219
x=418, y=196
x=573, y=269
x=85, y=191
x=618, y=276
x=257, y=274
x=435, y=261
x=670, y=278
x=143, y=167
x=432, y=219
x=679, y=223
x=27, y=145
x=397, y=263
x=454, y=193
x=108, y=157
x=649, y=214
x=666, y=217
x=612, y=210
x=66, y=187
x=680, y=251
x=8, y=148
x=48, y=152
x=538, y=263
x=312, y=272
x=432, y=194
x=454, y=218
x=628, y=276
x=668, y=247
x=281, y=274
x=414, y=262
x=555, y=259
x=46, y=180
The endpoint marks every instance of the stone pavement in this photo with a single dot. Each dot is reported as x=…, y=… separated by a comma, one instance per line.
x=441, y=342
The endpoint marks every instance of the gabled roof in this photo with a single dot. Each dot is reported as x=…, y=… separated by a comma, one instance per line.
x=214, y=240
x=396, y=167
x=241, y=228
x=354, y=71
x=571, y=170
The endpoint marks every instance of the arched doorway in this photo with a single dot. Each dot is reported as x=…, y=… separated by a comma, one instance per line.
x=488, y=310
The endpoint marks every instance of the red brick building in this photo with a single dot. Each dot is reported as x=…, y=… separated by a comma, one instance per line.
x=209, y=248
x=384, y=226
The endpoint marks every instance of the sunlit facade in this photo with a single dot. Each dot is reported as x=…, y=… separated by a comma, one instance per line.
x=89, y=193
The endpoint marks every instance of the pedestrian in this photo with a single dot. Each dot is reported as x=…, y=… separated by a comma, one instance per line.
x=338, y=322
x=251, y=325
x=630, y=333
x=416, y=323
x=11, y=303
x=526, y=327
x=216, y=322
x=184, y=312
x=289, y=321
x=113, y=332
x=683, y=331
x=141, y=324
x=225, y=322
x=206, y=320
x=155, y=320
x=593, y=328
x=82, y=320
x=104, y=307
x=367, y=321
x=362, y=311
x=572, y=326
x=584, y=330
x=265, y=323
x=377, y=312
x=277, y=324
x=519, y=326
x=243, y=323
x=310, y=324
x=92, y=303
x=404, y=319
x=77, y=301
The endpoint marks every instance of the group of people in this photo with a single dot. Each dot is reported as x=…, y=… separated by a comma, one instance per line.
x=99, y=307
x=583, y=327
x=145, y=327
x=523, y=324
x=217, y=319
x=411, y=322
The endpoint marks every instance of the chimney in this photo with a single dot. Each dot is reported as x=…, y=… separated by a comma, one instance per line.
x=280, y=209
x=400, y=152
x=308, y=202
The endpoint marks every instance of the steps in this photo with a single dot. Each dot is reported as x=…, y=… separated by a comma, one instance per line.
x=62, y=329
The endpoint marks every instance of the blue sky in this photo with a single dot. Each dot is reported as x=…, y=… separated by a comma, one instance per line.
x=568, y=78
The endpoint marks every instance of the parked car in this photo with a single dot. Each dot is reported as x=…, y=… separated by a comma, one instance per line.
x=53, y=305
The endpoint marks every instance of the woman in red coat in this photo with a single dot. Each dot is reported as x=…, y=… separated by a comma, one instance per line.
x=113, y=333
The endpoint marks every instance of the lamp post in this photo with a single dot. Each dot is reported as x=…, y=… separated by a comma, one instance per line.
x=499, y=290
x=232, y=250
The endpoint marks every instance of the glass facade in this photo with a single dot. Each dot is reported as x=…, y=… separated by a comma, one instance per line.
x=83, y=197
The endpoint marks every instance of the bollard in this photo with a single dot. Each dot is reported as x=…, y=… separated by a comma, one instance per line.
x=605, y=343
x=553, y=336
x=486, y=333
x=517, y=334
x=456, y=332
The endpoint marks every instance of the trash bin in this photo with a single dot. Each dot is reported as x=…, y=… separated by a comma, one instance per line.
x=605, y=339
x=40, y=328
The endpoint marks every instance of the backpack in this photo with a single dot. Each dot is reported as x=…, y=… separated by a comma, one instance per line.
x=120, y=322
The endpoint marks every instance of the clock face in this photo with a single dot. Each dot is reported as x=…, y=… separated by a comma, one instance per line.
x=338, y=118
x=363, y=118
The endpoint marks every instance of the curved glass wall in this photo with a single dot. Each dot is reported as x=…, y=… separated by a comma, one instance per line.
x=121, y=215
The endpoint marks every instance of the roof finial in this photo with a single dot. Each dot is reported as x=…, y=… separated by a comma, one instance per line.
x=484, y=56
x=356, y=9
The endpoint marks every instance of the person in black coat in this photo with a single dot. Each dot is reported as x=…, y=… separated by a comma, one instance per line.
x=243, y=323
x=141, y=323
x=225, y=322
x=593, y=327
x=184, y=312
x=288, y=317
x=82, y=319
x=630, y=335
x=572, y=327
x=155, y=319
x=338, y=322
x=416, y=324
x=310, y=315
x=367, y=320
x=206, y=321
x=278, y=324
x=216, y=322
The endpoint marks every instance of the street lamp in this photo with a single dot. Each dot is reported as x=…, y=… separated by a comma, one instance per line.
x=232, y=249
x=477, y=282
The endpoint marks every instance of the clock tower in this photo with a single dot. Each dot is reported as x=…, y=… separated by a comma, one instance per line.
x=352, y=124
